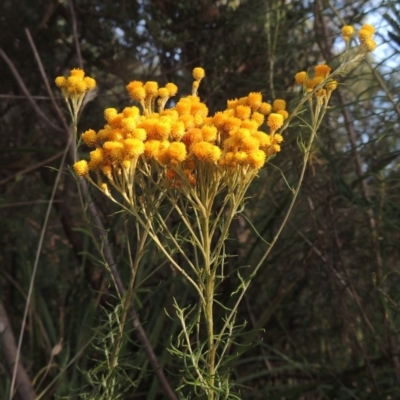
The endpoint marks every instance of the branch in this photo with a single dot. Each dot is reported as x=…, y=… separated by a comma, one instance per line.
x=9, y=349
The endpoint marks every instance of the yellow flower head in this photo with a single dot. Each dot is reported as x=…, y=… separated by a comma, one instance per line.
x=81, y=168
x=172, y=89
x=254, y=100
x=275, y=121
x=90, y=138
x=322, y=70
x=96, y=158
x=243, y=112
x=176, y=153
x=198, y=73
x=258, y=117
x=151, y=148
x=369, y=45
x=151, y=89
x=133, y=148
x=114, y=150
x=61, y=81
x=205, y=151
x=265, y=108
x=90, y=83
x=364, y=35
x=369, y=28
x=279, y=104
x=75, y=84
x=301, y=77
x=284, y=114
x=256, y=159
x=331, y=85
x=209, y=133
x=136, y=90
x=79, y=73
x=163, y=92
x=132, y=112
x=347, y=32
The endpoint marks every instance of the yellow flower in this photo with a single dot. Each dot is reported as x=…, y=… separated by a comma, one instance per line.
x=209, y=133
x=129, y=124
x=241, y=157
x=115, y=150
x=140, y=134
x=232, y=104
x=132, y=112
x=81, y=168
x=110, y=113
x=331, y=85
x=300, y=77
x=136, y=90
x=133, y=148
x=256, y=159
x=151, y=148
x=364, y=35
x=265, y=108
x=275, y=121
x=369, y=28
x=254, y=100
x=75, y=84
x=198, y=73
x=369, y=45
x=79, y=73
x=177, y=130
x=90, y=83
x=205, y=151
x=243, y=112
x=151, y=88
x=284, y=114
x=263, y=139
x=172, y=89
x=279, y=104
x=89, y=137
x=322, y=70
x=250, y=125
x=277, y=138
x=258, y=117
x=176, y=152
x=61, y=81
x=347, y=32
x=163, y=92
x=96, y=158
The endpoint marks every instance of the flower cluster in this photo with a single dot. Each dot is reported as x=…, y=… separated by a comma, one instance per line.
x=364, y=35
x=74, y=89
x=310, y=82
x=76, y=84
x=178, y=141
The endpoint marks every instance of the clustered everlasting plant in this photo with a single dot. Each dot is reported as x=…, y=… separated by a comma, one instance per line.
x=154, y=161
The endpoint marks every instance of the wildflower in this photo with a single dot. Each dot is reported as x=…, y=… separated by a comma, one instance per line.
x=275, y=121
x=151, y=89
x=172, y=89
x=300, y=77
x=265, y=108
x=254, y=100
x=322, y=70
x=198, y=73
x=75, y=84
x=81, y=168
x=279, y=104
x=89, y=137
x=205, y=151
x=347, y=32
